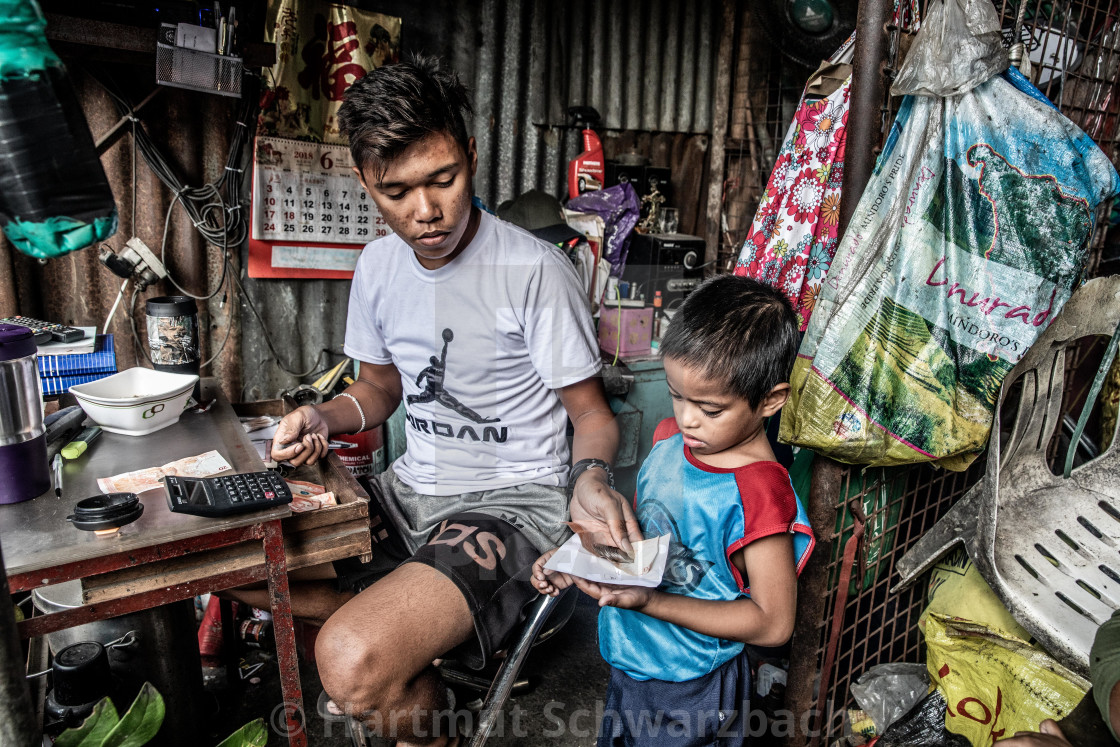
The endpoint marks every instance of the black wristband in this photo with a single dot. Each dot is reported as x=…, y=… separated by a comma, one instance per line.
x=585, y=464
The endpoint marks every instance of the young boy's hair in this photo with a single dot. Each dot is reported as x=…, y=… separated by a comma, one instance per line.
x=394, y=106
x=738, y=331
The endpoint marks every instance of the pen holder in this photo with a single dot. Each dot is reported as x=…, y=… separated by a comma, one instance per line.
x=182, y=67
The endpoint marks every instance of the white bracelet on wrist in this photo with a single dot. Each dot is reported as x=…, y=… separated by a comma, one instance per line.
x=357, y=404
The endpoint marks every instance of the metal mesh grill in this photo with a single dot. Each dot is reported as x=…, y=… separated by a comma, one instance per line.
x=198, y=71
x=880, y=627
x=765, y=94
x=1075, y=48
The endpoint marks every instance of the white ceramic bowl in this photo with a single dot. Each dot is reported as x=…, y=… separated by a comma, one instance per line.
x=137, y=401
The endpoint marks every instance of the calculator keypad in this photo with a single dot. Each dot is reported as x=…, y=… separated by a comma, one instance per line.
x=228, y=494
x=46, y=331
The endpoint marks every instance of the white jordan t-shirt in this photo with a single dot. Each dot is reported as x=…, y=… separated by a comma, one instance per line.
x=481, y=344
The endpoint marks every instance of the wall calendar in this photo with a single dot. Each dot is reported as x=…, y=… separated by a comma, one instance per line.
x=310, y=215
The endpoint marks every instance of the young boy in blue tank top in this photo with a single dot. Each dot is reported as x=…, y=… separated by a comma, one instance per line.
x=679, y=674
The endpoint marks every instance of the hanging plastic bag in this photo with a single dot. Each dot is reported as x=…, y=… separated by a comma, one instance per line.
x=886, y=692
x=995, y=685
x=964, y=246
x=618, y=207
x=923, y=726
x=957, y=49
x=54, y=197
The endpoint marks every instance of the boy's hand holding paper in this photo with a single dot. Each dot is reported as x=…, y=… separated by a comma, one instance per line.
x=646, y=568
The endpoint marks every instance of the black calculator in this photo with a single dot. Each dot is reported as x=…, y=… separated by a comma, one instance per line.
x=226, y=495
x=46, y=331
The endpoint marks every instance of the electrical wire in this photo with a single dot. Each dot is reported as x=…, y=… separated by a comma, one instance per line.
x=140, y=346
x=163, y=242
x=229, y=326
x=212, y=217
x=112, y=311
x=220, y=220
x=268, y=338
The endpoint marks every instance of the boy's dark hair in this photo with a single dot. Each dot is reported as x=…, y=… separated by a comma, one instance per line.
x=394, y=106
x=738, y=331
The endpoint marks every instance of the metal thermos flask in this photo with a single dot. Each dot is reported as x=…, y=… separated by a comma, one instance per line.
x=24, y=472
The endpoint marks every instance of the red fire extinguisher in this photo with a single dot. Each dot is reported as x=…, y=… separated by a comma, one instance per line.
x=366, y=456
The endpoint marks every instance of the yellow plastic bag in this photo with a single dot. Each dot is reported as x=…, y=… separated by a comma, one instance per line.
x=994, y=684
x=956, y=589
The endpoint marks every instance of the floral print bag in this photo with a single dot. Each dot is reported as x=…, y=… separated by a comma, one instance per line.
x=793, y=237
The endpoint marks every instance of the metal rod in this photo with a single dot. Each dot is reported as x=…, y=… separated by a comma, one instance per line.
x=106, y=140
x=507, y=674
x=17, y=719
x=812, y=600
x=864, y=133
x=720, y=110
x=868, y=92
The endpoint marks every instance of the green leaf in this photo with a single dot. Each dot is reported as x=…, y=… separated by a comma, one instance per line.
x=140, y=723
x=252, y=734
x=93, y=730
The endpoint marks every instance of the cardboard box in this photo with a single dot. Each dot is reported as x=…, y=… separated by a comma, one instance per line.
x=636, y=327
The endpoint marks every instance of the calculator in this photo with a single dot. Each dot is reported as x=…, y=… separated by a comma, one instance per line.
x=226, y=495
x=46, y=331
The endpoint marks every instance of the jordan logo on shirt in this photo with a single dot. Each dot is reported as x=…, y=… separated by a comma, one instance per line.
x=434, y=391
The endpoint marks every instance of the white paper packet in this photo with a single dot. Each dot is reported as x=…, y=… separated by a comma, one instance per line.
x=646, y=569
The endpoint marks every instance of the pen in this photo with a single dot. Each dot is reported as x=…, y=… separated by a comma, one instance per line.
x=330, y=445
x=57, y=466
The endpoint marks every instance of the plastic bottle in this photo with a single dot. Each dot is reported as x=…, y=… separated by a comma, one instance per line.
x=50, y=203
x=657, y=315
x=586, y=172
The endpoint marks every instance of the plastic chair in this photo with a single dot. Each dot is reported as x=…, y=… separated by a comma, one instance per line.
x=1045, y=543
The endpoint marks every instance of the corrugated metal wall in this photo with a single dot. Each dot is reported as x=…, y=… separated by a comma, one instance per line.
x=192, y=131
x=647, y=66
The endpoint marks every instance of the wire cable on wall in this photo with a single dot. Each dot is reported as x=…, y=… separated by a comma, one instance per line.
x=219, y=219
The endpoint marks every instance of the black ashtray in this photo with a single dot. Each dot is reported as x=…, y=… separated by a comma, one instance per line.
x=107, y=511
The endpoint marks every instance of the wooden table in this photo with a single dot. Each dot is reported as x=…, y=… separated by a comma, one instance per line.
x=163, y=557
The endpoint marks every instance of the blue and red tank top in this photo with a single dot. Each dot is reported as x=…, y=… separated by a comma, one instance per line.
x=711, y=513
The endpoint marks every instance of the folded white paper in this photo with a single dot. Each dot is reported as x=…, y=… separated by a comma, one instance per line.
x=646, y=569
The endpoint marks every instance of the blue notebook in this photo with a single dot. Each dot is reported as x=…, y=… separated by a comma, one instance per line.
x=102, y=360
x=59, y=384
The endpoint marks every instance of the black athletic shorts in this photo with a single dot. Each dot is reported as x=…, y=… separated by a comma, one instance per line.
x=488, y=559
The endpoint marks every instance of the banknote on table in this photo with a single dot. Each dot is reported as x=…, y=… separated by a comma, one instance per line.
x=308, y=496
x=200, y=465
x=302, y=503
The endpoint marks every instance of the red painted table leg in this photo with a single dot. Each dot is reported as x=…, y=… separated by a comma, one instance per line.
x=278, y=594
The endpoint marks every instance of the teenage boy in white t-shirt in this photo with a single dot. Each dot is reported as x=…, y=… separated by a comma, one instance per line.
x=482, y=331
